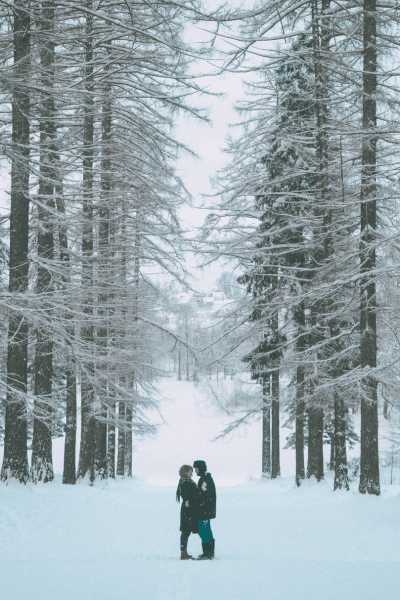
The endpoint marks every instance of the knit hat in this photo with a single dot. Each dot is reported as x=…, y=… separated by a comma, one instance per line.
x=200, y=465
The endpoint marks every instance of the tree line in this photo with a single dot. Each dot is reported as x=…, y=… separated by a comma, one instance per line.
x=309, y=212
x=89, y=93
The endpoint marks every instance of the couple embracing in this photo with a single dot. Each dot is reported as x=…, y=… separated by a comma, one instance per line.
x=198, y=507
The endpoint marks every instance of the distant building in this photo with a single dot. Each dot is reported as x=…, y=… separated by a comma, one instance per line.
x=213, y=302
x=187, y=299
x=219, y=296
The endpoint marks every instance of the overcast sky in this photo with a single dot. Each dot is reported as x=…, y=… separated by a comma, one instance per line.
x=208, y=142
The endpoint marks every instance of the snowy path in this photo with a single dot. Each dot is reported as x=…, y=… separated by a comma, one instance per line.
x=190, y=426
x=122, y=542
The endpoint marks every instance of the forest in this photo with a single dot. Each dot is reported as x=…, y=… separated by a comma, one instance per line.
x=305, y=215
x=168, y=298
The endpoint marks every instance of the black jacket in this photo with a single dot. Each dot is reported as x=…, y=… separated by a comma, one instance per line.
x=208, y=497
x=189, y=514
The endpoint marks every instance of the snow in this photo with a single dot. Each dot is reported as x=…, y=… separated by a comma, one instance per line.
x=120, y=540
x=190, y=426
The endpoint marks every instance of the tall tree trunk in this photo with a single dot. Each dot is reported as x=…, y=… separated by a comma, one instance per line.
x=187, y=347
x=100, y=457
x=42, y=458
x=129, y=405
x=300, y=410
x=15, y=461
x=315, y=464
x=112, y=405
x=338, y=443
x=100, y=450
x=128, y=442
x=69, y=471
x=266, y=428
x=369, y=463
x=321, y=37
x=86, y=455
x=300, y=402
x=341, y=470
x=121, y=438
x=332, y=456
x=275, y=392
x=111, y=441
x=275, y=450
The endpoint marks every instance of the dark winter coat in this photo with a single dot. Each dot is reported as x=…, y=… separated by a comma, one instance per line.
x=187, y=490
x=208, y=497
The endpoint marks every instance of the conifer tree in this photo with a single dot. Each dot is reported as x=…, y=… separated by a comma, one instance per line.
x=86, y=456
x=42, y=462
x=280, y=253
x=369, y=463
x=15, y=462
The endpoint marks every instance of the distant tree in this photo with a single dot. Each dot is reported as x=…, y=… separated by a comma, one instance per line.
x=94, y=95
x=228, y=283
x=338, y=451
x=280, y=255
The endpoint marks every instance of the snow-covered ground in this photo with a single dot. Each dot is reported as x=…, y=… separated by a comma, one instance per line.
x=120, y=540
x=191, y=425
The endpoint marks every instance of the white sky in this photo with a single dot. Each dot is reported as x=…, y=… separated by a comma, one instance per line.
x=208, y=142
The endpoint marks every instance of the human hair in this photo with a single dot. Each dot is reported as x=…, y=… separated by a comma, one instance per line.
x=185, y=471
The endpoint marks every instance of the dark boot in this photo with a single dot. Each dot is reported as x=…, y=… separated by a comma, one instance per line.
x=207, y=552
x=212, y=543
x=185, y=555
x=202, y=556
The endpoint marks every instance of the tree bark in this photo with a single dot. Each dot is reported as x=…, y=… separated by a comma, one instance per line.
x=300, y=409
x=121, y=438
x=315, y=464
x=369, y=460
x=42, y=456
x=42, y=459
x=128, y=442
x=323, y=248
x=100, y=451
x=111, y=441
x=100, y=455
x=300, y=403
x=86, y=455
x=266, y=428
x=275, y=450
x=341, y=471
x=69, y=470
x=332, y=457
x=15, y=461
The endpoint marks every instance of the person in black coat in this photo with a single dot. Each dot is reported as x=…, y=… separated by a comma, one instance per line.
x=207, y=509
x=187, y=490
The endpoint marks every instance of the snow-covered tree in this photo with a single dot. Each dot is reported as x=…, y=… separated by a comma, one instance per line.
x=351, y=162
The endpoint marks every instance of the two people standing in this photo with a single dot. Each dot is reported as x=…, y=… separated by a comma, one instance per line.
x=198, y=508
